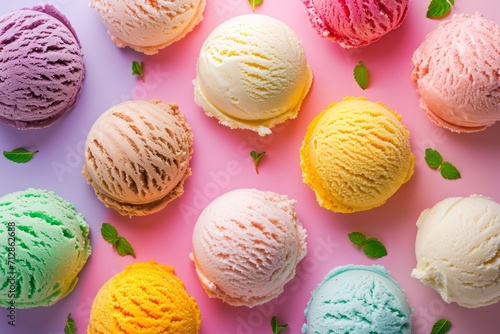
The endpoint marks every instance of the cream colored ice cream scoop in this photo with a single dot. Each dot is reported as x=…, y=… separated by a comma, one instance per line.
x=246, y=245
x=252, y=73
x=137, y=156
x=148, y=26
x=458, y=250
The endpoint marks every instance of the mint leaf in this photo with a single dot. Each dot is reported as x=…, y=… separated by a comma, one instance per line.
x=374, y=248
x=357, y=238
x=439, y=8
x=435, y=161
x=371, y=246
x=19, y=155
x=123, y=247
x=361, y=75
x=275, y=326
x=449, y=172
x=255, y=3
x=70, y=327
x=441, y=326
x=109, y=233
x=433, y=158
x=138, y=69
x=256, y=158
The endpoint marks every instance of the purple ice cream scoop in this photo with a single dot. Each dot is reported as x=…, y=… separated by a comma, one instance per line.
x=41, y=67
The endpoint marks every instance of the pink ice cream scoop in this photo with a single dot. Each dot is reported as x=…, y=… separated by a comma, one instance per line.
x=42, y=67
x=355, y=23
x=246, y=246
x=457, y=72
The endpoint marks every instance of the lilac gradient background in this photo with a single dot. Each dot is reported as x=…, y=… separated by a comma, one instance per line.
x=221, y=163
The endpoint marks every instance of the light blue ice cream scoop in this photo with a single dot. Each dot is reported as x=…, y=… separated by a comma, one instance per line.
x=358, y=299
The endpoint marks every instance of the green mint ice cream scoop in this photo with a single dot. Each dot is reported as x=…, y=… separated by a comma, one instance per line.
x=43, y=246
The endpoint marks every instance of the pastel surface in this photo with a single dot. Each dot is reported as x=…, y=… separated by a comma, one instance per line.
x=221, y=163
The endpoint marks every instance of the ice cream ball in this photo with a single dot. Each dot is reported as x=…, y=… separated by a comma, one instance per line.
x=458, y=250
x=148, y=26
x=456, y=71
x=144, y=298
x=45, y=246
x=42, y=67
x=137, y=156
x=355, y=23
x=358, y=299
x=246, y=246
x=252, y=73
x=355, y=155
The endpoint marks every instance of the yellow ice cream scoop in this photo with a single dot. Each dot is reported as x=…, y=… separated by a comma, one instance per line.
x=145, y=298
x=355, y=155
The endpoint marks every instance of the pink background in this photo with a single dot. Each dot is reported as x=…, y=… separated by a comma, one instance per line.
x=221, y=163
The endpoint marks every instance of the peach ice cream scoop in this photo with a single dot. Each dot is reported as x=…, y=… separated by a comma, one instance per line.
x=148, y=26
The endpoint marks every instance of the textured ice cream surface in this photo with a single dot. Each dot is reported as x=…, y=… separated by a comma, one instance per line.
x=252, y=73
x=355, y=155
x=355, y=23
x=50, y=243
x=148, y=26
x=458, y=250
x=358, y=299
x=246, y=245
x=457, y=72
x=145, y=298
x=137, y=156
x=42, y=67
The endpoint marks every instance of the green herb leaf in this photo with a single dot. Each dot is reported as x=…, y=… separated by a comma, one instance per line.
x=70, y=327
x=439, y=8
x=123, y=247
x=357, y=238
x=256, y=158
x=138, y=69
x=361, y=75
x=371, y=246
x=441, y=326
x=433, y=158
x=275, y=326
x=449, y=172
x=109, y=233
x=19, y=155
x=255, y=3
x=374, y=248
